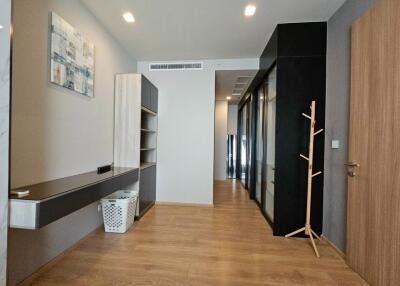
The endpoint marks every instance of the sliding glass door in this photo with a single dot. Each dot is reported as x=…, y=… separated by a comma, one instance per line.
x=231, y=157
x=249, y=177
x=269, y=149
x=259, y=144
x=243, y=145
x=256, y=152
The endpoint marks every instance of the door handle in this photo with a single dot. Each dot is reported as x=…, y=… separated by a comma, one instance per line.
x=351, y=174
x=352, y=164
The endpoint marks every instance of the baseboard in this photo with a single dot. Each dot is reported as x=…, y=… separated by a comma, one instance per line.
x=143, y=212
x=183, y=204
x=29, y=280
x=341, y=253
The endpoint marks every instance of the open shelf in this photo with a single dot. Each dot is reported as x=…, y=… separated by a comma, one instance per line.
x=148, y=140
x=148, y=121
x=148, y=130
x=148, y=155
x=144, y=165
x=148, y=137
x=148, y=111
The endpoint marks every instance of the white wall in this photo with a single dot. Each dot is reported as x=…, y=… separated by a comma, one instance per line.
x=186, y=129
x=5, y=14
x=56, y=132
x=232, y=119
x=220, y=139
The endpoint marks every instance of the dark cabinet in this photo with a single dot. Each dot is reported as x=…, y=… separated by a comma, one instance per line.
x=147, y=188
x=154, y=99
x=146, y=93
x=291, y=75
x=149, y=95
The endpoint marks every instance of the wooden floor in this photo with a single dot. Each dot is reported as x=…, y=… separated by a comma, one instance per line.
x=228, y=244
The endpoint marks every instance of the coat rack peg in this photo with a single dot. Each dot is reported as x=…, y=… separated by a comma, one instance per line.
x=304, y=157
x=316, y=174
x=307, y=228
x=319, y=131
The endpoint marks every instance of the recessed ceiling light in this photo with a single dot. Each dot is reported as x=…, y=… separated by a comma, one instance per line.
x=250, y=10
x=228, y=98
x=128, y=17
x=1, y=27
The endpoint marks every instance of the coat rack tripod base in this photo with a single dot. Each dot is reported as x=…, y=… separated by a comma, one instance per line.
x=308, y=231
x=307, y=228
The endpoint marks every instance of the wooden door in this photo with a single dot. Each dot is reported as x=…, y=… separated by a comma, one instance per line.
x=373, y=219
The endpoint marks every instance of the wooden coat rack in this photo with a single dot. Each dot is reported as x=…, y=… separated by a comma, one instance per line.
x=307, y=228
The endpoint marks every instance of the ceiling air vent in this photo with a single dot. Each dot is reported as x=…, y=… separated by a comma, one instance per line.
x=175, y=66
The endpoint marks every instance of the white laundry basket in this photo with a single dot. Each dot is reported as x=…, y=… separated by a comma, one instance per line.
x=119, y=211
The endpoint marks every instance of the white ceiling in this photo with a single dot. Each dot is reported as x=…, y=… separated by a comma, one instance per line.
x=227, y=81
x=202, y=29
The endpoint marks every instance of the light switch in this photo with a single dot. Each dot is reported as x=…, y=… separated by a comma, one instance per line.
x=335, y=144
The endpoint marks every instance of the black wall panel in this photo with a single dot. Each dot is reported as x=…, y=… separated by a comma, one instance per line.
x=299, y=81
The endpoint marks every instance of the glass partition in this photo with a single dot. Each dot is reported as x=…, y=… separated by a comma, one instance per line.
x=231, y=157
x=243, y=145
x=259, y=143
x=269, y=167
x=249, y=181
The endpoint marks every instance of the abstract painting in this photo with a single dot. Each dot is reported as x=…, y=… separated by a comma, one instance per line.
x=72, y=58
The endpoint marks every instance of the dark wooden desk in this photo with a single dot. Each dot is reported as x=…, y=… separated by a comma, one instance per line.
x=52, y=200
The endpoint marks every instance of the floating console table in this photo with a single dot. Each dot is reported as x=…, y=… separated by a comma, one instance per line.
x=50, y=201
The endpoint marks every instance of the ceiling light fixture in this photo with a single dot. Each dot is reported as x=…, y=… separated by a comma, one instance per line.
x=1, y=27
x=228, y=98
x=250, y=10
x=128, y=17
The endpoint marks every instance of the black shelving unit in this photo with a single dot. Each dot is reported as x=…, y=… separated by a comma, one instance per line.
x=148, y=146
x=135, y=133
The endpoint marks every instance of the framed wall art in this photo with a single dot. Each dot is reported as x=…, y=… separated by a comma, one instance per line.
x=71, y=57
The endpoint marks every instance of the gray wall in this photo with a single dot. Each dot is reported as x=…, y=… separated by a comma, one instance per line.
x=5, y=14
x=220, y=133
x=232, y=119
x=337, y=110
x=56, y=132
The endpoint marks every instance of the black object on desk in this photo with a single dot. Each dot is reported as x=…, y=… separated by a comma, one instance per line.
x=103, y=169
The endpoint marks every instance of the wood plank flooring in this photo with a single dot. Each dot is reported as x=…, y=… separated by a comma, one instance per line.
x=228, y=244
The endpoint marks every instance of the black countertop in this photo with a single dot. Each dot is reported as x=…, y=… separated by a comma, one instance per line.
x=51, y=189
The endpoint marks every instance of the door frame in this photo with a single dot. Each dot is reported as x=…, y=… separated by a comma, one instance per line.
x=6, y=55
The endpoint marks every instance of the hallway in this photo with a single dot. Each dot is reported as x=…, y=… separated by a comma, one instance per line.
x=228, y=244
